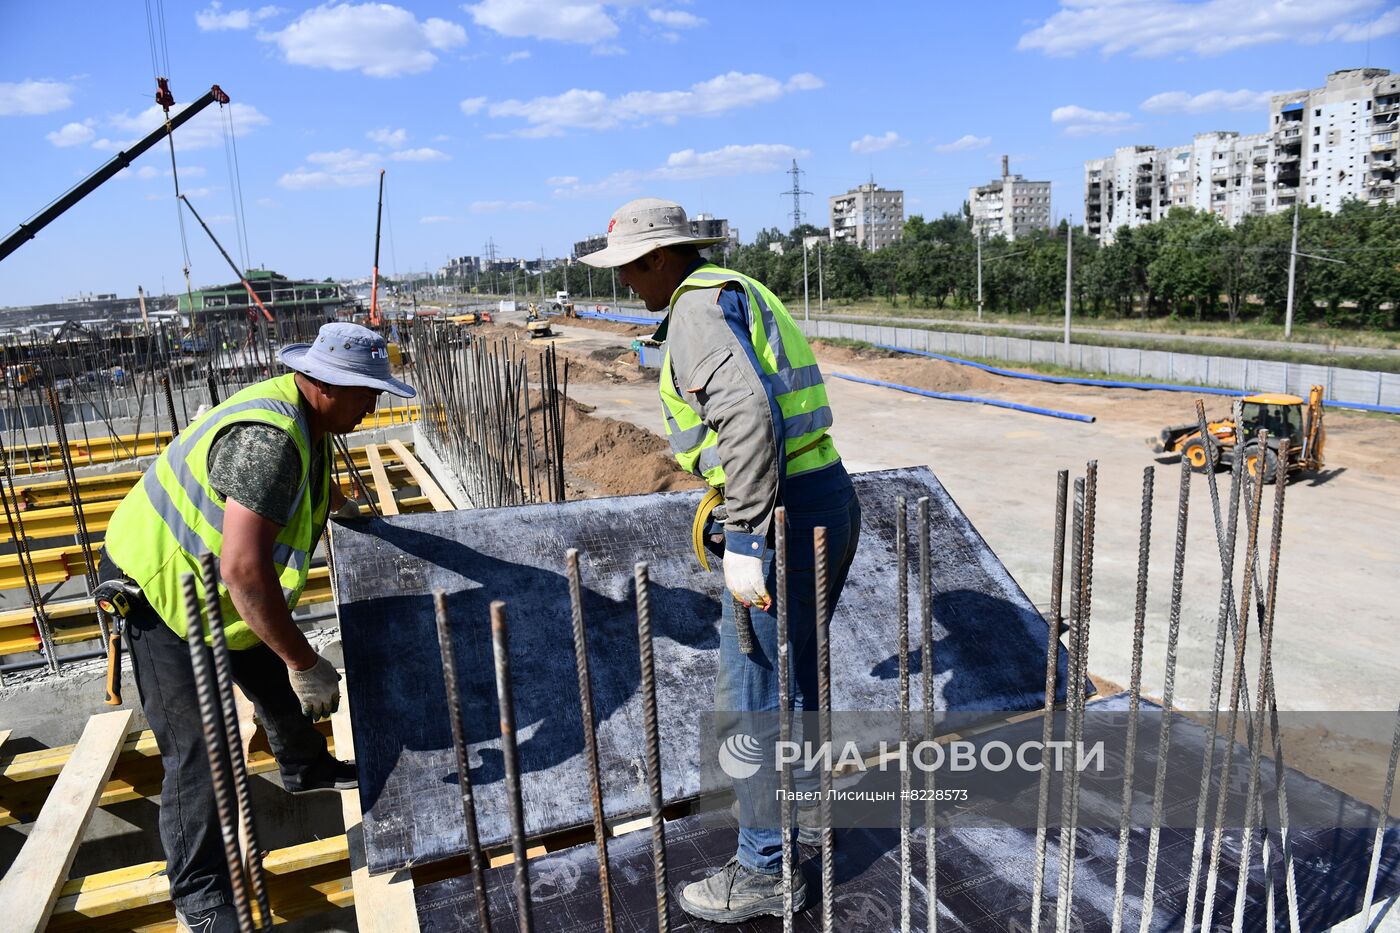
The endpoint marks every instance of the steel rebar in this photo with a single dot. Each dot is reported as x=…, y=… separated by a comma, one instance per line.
x=225, y=804
x=590, y=737
x=901, y=557
x=823, y=626
x=459, y=747
x=930, y=670
x=510, y=757
x=1052, y=659
x=1134, y=696
x=653, y=744
x=1382, y=823
x=784, y=663
x=1164, y=734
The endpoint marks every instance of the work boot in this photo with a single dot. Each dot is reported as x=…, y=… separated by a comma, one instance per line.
x=326, y=774
x=734, y=894
x=219, y=919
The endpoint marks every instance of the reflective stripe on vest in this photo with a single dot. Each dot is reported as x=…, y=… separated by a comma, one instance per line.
x=174, y=515
x=788, y=367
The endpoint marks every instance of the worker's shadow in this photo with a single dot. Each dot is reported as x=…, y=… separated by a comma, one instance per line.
x=406, y=664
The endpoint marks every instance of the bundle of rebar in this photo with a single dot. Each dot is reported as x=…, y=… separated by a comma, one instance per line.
x=494, y=413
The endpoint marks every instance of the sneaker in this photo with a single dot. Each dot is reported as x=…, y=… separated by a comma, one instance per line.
x=220, y=919
x=326, y=774
x=734, y=894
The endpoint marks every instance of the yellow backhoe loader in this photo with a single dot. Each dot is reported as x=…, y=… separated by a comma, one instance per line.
x=1282, y=416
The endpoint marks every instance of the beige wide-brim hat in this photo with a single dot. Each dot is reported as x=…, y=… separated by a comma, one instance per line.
x=640, y=226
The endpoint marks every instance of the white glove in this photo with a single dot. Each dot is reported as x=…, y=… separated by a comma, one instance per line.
x=743, y=576
x=317, y=687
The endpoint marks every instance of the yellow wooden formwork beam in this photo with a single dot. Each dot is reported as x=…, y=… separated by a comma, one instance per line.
x=26, y=777
x=58, y=522
x=51, y=565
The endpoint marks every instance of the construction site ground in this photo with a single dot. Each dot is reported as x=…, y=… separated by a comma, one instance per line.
x=1334, y=644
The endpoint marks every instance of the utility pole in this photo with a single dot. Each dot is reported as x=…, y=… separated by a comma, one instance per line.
x=1069, y=272
x=821, y=290
x=796, y=192
x=541, y=278
x=1293, y=255
x=1292, y=267
x=979, y=272
x=806, y=300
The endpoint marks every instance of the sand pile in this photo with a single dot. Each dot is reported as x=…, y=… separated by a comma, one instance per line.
x=603, y=457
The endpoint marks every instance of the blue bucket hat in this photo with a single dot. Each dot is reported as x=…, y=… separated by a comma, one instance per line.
x=346, y=354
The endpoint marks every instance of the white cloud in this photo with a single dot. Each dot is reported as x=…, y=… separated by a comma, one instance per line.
x=608, y=49
x=1100, y=129
x=595, y=110
x=192, y=193
x=378, y=39
x=201, y=132
x=1207, y=101
x=436, y=219
x=30, y=98
x=1388, y=23
x=497, y=207
x=582, y=23
x=343, y=168
x=147, y=172
x=675, y=19
x=560, y=181
x=514, y=57
x=1073, y=113
x=1153, y=28
x=870, y=143
x=686, y=165
x=964, y=143
x=216, y=18
x=472, y=105
x=424, y=154
x=267, y=203
x=387, y=137
x=72, y=134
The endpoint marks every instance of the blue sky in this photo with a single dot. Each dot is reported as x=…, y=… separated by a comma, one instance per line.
x=528, y=122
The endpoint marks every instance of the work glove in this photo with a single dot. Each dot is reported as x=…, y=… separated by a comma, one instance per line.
x=317, y=687
x=743, y=576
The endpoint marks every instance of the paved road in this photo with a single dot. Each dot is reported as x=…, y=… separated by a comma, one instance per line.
x=1144, y=337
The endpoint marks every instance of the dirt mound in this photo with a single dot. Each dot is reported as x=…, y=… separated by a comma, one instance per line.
x=603, y=457
x=919, y=372
x=612, y=327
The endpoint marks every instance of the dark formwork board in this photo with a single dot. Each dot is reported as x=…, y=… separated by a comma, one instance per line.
x=990, y=650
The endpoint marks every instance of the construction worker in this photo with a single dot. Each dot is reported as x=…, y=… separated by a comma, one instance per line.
x=250, y=481
x=744, y=407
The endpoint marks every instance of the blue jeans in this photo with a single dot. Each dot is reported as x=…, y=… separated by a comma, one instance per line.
x=749, y=683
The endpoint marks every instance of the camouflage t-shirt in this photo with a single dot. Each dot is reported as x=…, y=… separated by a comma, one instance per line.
x=259, y=466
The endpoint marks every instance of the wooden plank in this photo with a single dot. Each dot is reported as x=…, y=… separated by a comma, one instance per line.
x=383, y=903
x=383, y=491
x=420, y=476
x=30, y=888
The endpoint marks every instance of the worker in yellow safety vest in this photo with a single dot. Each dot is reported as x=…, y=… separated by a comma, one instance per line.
x=250, y=482
x=744, y=406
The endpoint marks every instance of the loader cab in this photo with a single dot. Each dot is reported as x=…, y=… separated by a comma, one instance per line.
x=1280, y=415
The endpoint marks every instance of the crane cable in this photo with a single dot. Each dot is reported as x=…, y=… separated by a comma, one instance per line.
x=240, y=215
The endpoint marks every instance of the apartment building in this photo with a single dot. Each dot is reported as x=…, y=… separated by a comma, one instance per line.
x=1009, y=206
x=1325, y=145
x=867, y=216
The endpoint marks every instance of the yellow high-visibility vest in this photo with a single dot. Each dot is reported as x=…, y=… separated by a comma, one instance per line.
x=173, y=515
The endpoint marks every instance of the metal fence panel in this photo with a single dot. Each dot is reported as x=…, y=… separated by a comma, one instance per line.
x=1389, y=393
x=1354, y=385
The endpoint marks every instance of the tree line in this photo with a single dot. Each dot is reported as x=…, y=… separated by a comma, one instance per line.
x=1188, y=265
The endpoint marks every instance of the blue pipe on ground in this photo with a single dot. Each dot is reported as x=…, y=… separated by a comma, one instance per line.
x=997, y=403
x=619, y=318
